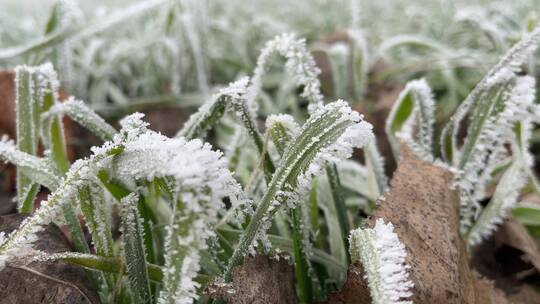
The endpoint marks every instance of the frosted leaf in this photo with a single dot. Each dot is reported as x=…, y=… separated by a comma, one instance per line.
x=213, y=110
x=358, y=135
x=383, y=257
x=134, y=250
x=411, y=119
x=299, y=63
x=80, y=173
x=489, y=150
x=83, y=115
x=200, y=180
x=509, y=64
x=503, y=200
x=95, y=211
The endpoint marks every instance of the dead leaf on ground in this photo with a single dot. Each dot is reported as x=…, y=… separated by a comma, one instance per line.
x=514, y=234
x=510, y=257
x=425, y=214
x=44, y=282
x=260, y=280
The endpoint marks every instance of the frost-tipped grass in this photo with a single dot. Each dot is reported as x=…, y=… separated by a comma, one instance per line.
x=382, y=255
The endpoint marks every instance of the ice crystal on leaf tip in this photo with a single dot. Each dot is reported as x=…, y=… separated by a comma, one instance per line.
x=382, y=255
x=286, y=120
x=299, y=63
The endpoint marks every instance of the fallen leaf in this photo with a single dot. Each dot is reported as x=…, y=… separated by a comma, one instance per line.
x=44, y=282
x=261, y=279
x=527, y=294
x=514, y=234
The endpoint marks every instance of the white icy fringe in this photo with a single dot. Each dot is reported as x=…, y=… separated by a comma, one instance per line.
x=490, y=151
x=417, y=130
x=503, y=200
x=299, y=63
x=383, y=257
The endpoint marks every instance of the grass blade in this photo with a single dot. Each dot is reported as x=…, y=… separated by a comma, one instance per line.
x=83, y=115
x=134, y=252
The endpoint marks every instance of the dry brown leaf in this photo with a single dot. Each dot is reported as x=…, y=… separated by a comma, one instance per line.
x=425, y=213
x=355, y=289
x=527, y=294
x=514, y=234
x=44, y=282
x=260, y=280
x=510, y=257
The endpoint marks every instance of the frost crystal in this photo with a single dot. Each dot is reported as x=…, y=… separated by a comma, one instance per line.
x=300, y=64
x=383, y=257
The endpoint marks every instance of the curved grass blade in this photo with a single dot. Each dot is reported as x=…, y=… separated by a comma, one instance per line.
x=411, y=119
